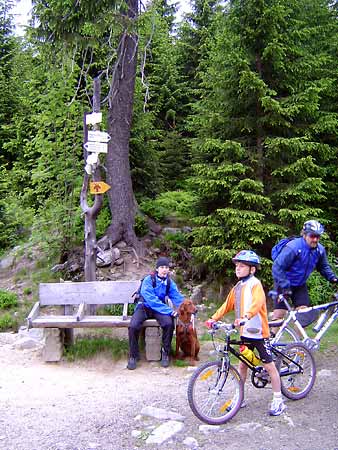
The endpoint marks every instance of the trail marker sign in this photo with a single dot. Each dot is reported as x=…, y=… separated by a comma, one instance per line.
x=98, y=136
x=98, y=187
x=96, y=147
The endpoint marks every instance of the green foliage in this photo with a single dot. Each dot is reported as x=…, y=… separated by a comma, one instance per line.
x=87, y=348
x=179, y=204
x=8, y=322
x=8, y=300
x=141, y=226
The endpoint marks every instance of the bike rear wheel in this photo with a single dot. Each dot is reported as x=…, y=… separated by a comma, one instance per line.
x=297, y=370
x=215, y=395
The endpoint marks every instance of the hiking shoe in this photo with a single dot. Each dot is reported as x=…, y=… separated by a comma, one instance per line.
x=131, y=363
x=277, y=407
x=165, y=359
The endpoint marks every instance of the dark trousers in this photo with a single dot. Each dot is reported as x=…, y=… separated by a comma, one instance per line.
x=142, y=313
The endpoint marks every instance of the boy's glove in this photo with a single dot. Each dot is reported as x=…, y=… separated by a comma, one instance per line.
x=208, y=323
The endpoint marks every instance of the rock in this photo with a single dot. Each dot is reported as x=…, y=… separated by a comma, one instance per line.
x=161, y=414
x=208, y=428
x=165, y=432
x=191, y=442
x=7, y=262
x=26, y=343
x=119, y=262
x=171, y=230
x=121, y=244
x=107, y=257
x=197, y=295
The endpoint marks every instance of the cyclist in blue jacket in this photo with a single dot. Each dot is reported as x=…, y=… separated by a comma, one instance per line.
x=152, y=305
x=295, y=263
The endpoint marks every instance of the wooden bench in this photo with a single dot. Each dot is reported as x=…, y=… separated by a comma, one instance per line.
x=76, y=300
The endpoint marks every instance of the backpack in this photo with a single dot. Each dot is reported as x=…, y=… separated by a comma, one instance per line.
x=276, y=249
x=137, y=294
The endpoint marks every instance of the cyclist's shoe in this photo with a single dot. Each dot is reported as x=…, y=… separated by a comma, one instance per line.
x=165, y=359
x=277, y=407
x=131, y=363
x=244, y=404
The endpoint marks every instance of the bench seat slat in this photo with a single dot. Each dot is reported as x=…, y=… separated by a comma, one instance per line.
x=86, y=322
x=88, y=292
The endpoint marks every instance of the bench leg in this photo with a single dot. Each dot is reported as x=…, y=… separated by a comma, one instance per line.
x=68, y=337
x=53, y=348
x=153, y=340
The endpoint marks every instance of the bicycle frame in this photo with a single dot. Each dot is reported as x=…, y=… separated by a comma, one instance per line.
x=296, y=368
x=323, y=323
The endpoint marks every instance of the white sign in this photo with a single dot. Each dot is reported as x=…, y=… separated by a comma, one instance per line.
x=92, y=158
x=96, y=147
x=98, y=136
x=93, y=118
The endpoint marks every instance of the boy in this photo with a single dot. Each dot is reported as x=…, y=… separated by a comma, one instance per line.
x=152, y=305
x=247, y=299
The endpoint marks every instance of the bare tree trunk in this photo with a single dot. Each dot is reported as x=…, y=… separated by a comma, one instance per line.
x=121, y=197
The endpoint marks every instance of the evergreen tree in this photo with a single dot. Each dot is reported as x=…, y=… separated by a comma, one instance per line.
x=261, y=163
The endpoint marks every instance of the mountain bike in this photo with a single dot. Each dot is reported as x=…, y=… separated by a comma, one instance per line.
x=292, y=328
x=216, y=390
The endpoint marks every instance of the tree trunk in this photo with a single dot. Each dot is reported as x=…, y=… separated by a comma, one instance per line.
x=121, y=197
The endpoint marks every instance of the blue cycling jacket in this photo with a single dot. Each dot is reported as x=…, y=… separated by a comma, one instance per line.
x=297, y=261
x=154, y=297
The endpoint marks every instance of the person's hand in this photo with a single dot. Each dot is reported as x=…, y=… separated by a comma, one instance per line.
x=286, y=293
x=240, y=322
x=334, y=280
x=208, y=323
x=174, y=314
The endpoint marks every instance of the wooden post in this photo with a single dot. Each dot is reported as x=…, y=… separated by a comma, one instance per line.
x=91, y=213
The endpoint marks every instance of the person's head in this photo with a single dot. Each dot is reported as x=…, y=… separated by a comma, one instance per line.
x=312, y=230
x=162, y=266
x=246, y=262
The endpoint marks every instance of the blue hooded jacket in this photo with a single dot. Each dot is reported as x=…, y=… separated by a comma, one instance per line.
x=297, y=261
x=154, y=297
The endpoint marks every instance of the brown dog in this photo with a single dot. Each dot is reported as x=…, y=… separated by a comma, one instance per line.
x=186, y=336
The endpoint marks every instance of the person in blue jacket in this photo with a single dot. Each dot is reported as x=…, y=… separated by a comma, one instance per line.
x=152, y=305
x=295, y=263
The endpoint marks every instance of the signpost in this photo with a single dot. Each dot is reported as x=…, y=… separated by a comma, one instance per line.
x=97, y=147
x=98, y=187
x=98, y=136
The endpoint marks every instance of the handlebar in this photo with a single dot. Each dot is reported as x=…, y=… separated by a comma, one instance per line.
x=229, y=328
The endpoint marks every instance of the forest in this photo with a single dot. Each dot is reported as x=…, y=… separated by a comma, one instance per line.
x=226, y=121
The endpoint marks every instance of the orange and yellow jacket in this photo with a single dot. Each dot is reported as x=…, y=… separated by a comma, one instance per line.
x=247, y=298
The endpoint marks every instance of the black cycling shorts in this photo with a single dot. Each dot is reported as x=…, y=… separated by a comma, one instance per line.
x=263, y=348
x=299, y=297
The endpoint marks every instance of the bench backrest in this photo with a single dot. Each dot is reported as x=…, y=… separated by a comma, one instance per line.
x=87, y=292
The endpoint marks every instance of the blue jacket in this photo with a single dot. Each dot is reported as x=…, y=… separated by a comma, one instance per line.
x=297, y=261
x=154, y=297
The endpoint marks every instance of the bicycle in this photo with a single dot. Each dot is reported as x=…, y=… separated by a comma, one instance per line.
x=216, y=390
x=292, y=328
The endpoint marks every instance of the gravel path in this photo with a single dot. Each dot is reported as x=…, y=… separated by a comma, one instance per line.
x=95, y=404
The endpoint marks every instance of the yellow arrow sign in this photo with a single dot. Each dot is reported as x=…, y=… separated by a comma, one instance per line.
x=98, y=187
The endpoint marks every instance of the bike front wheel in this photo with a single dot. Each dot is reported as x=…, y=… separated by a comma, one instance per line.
x=297, y=369
x=215, y=394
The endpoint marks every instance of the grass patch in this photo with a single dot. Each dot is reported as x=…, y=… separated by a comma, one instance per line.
x=180, y=363
x=8, y=322
x=8, y=299
x=88, y=347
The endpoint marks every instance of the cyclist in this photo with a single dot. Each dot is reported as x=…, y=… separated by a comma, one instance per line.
x=247, y=299
x=295, y=263
x=152, y=305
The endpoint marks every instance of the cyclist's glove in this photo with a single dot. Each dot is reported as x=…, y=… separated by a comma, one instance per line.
x=334, y=280
x=287, y=293
x=209, y=323
x=174, y=314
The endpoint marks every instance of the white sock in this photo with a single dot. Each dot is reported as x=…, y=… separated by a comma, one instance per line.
x=277, y=396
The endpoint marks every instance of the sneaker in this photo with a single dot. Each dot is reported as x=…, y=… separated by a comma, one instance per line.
x=244, y=404
x=131, y=363
x=277, y=407
x=165, y=359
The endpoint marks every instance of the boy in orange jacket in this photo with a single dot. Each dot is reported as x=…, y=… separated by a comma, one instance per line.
x=247, y=299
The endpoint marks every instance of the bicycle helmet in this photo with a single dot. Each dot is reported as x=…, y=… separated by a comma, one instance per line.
x=313, y=226
x=248, y=257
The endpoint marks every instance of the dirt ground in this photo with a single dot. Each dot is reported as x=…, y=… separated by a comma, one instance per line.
x=96, y=405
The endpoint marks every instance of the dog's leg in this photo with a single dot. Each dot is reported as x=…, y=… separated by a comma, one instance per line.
x=177, y=343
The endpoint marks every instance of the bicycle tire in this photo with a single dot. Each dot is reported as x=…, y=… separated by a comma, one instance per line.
x=296, y=383
x=214, y=396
